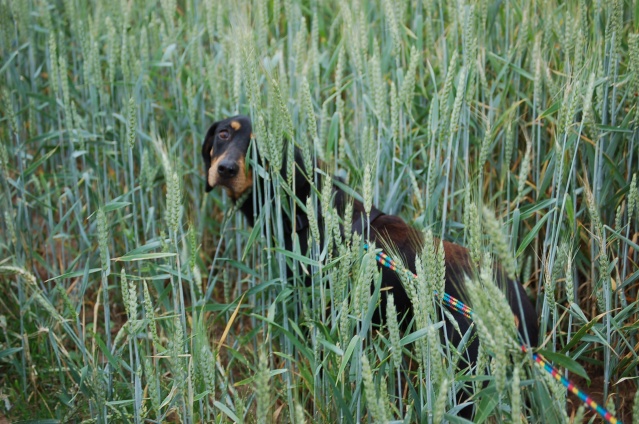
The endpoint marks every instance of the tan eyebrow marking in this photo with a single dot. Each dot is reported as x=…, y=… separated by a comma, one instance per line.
x=236, y=125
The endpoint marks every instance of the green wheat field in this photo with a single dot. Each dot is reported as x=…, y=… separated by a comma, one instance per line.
x=128, y=294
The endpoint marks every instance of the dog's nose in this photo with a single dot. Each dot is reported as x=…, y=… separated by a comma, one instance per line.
x=228, y=169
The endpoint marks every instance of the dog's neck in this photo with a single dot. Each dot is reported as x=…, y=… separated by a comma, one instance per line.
x=246, y=207
x=250, y=203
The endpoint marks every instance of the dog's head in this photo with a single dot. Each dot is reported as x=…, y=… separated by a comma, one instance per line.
x=224, y=152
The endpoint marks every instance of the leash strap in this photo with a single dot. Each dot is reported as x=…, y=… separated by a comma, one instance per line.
x=384, y=260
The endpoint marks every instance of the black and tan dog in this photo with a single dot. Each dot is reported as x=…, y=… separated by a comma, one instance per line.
x=224, y=152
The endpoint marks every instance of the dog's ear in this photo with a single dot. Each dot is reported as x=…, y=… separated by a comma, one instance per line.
x=302, y=176
x=207, y=146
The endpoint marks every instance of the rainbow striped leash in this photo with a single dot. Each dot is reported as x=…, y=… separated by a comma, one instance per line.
x=457, y=305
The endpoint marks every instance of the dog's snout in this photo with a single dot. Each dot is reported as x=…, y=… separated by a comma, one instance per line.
x=228, y=169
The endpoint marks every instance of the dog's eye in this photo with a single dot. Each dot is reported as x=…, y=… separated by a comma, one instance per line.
x=224, y=135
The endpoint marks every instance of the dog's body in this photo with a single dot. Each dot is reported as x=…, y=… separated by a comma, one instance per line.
x=224, y=151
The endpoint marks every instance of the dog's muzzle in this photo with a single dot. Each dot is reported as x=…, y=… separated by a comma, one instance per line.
x=227, y=169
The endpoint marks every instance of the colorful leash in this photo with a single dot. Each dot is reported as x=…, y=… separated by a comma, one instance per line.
x=386, y=261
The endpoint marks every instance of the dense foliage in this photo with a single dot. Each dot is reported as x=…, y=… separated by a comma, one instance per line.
x=127, y=294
